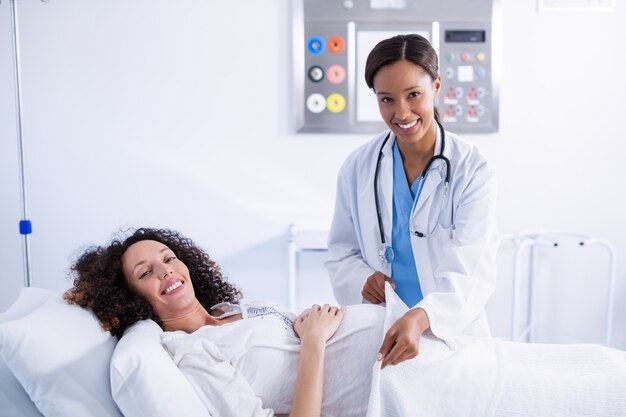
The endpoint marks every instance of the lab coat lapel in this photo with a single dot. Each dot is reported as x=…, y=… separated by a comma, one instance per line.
x=424, y=203
x=386, y=187
x=434, y=177
x=432, y=181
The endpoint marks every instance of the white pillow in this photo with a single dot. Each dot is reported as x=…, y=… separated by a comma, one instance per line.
x=28, y=300
x=144, y=379
x=14, y=401
x=61, y=356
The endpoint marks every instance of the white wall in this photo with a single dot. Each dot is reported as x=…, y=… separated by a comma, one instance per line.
x=178, y=114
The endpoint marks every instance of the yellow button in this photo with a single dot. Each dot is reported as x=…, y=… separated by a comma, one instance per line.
x=335, y=103
x=480, y=56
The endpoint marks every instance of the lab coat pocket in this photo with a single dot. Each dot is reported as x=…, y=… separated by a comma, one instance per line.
x=439, y=209
x=441, y=222
x=444, y=232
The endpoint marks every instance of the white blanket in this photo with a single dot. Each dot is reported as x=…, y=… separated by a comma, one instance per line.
x=247, y=368
x=487, y=377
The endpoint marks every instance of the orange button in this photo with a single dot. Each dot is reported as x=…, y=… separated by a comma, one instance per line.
x=336, y=45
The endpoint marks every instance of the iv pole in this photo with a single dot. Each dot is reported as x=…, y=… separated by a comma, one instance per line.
x=25, y=225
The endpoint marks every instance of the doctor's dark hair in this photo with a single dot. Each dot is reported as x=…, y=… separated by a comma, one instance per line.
x=100, y=285
x=413, y=48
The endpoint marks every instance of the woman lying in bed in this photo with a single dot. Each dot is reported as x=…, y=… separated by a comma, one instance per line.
x=257, y=359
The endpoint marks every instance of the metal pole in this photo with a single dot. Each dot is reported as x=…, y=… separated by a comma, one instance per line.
x=522, y=244
x=293, y=267
x=611, y=290
x=25, y=225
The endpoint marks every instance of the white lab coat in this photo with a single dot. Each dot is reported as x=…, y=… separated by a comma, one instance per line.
x=456, y=266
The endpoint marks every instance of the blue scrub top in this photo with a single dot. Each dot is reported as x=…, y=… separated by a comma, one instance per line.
x=403, y=270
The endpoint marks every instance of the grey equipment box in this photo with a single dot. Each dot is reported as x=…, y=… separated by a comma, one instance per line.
x=332, y=39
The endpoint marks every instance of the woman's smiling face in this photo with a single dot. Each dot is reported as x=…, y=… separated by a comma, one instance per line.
x=153, y=271
x=406, y=100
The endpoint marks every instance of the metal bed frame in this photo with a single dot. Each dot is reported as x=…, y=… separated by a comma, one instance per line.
x=530, y=242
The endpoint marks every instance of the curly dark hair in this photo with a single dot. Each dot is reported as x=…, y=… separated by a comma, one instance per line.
x=100, y=285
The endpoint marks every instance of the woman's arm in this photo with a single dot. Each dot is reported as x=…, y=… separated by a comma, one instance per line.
x=465, y=266
x=346, y=267
x=315, y=327
x=465, y=269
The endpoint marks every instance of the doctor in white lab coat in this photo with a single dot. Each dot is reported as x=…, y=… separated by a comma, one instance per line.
x=447, y=275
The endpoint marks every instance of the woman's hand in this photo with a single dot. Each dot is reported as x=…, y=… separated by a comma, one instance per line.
x=314, y=327
x=318, y=324
x=374, y=288
x=402, y=340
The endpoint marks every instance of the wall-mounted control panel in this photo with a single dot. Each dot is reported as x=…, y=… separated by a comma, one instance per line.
x=332, y=39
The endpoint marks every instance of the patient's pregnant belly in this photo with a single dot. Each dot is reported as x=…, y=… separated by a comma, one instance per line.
x=270, y=362
x=351, y=353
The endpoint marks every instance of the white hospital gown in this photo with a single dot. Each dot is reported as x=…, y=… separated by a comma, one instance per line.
x=248, y=367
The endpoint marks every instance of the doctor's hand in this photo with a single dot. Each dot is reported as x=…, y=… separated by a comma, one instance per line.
x=319, y=323
x=402, y=340
x=374, y=288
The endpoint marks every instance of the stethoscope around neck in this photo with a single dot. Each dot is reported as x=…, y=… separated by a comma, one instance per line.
x=386, y=253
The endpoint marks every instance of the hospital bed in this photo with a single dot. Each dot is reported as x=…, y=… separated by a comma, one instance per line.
x=56, y=361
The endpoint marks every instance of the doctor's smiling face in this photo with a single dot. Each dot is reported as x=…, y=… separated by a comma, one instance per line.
x=153, y=271
x=406, y=100
x=403, y=71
